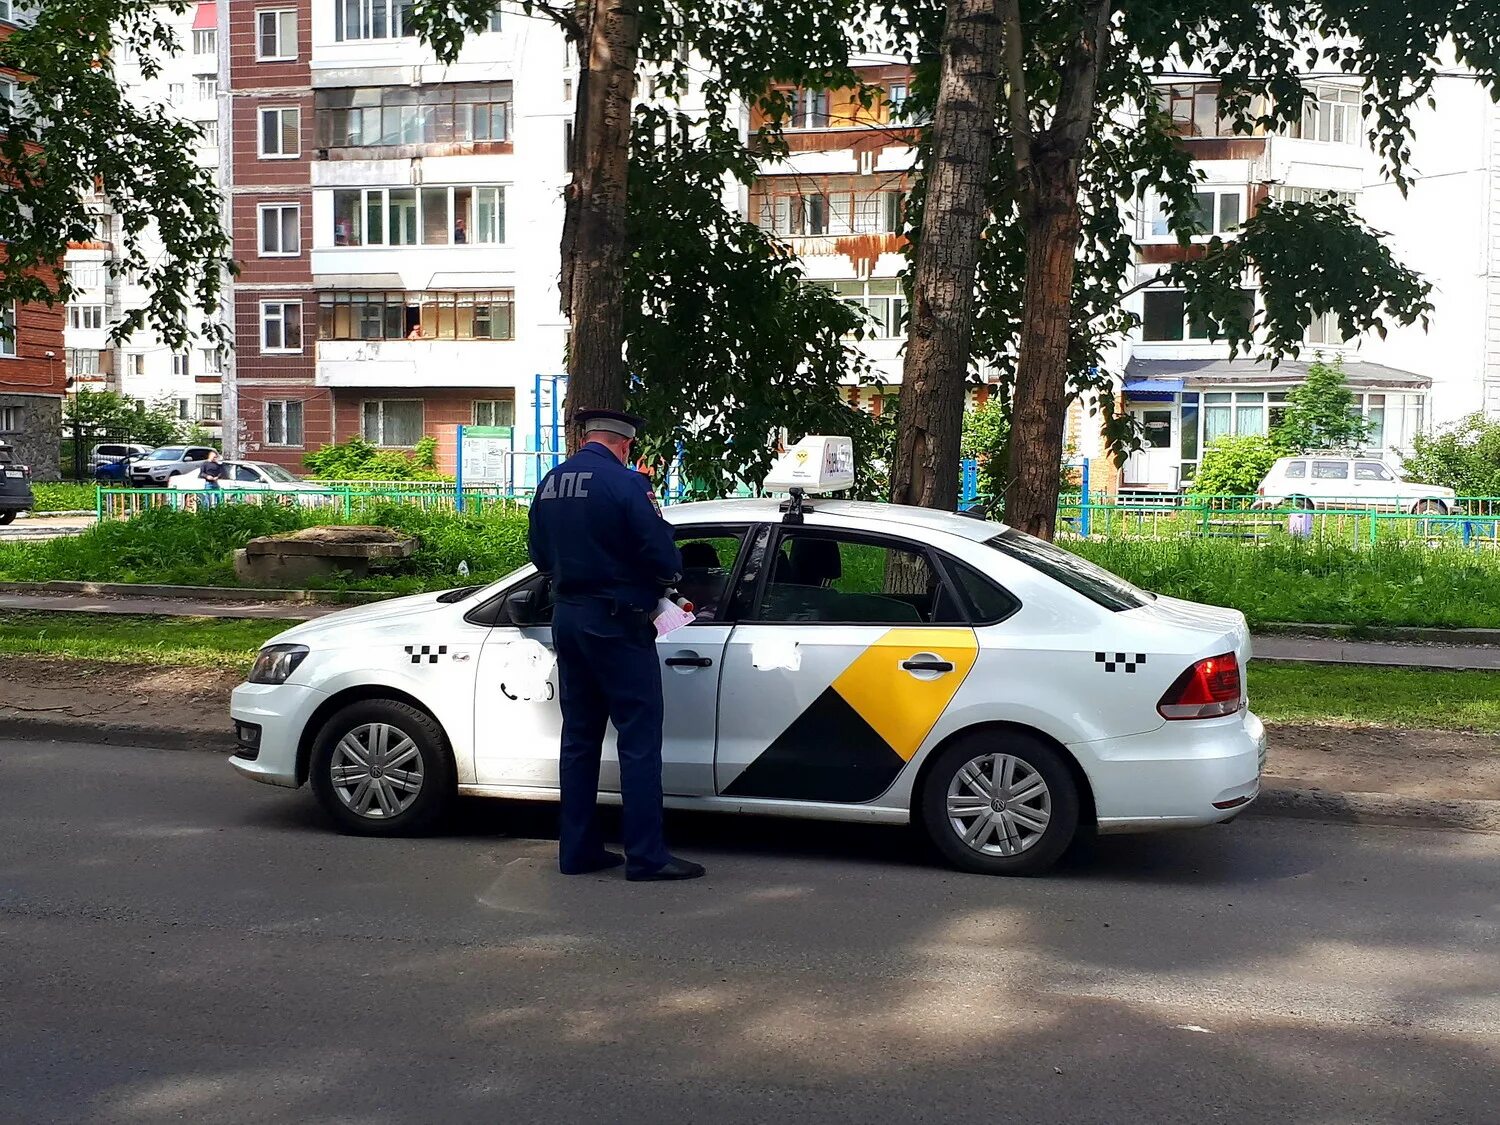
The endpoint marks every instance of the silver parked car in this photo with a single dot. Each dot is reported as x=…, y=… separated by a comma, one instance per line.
x=160, y=465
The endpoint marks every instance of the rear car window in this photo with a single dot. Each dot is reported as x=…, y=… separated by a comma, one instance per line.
x=1330, y=470
x=1079, y=575
x=5, y=457
x=1296, y=470
x=987, y=602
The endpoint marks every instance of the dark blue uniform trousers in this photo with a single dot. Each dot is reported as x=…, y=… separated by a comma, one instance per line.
x=608, y=672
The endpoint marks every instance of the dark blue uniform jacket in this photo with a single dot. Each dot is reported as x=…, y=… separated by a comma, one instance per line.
x=595, y=530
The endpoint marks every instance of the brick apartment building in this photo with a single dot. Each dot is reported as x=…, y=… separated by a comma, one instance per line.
x=32, y=376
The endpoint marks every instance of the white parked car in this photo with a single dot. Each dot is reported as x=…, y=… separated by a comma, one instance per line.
x=251, y=476
x=1339, y=480
x=872, y=663
x=160, y=466
x=108, y=453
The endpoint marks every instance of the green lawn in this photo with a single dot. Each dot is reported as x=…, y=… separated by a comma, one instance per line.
x=199, y=641
x=1395, y=697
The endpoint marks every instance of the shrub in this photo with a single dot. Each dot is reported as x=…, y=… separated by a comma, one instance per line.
x=1234, y=466
x=357, y=459
x=1464, y=457
x=64, y=497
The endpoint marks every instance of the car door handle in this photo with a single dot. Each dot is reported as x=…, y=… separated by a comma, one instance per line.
x=927, y=665
x=689, y=662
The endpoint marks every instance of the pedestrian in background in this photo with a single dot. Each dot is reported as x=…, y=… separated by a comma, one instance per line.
x=211, y=472
x=610, y=556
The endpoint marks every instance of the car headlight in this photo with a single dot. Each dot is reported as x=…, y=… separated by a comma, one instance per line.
x=275, y=663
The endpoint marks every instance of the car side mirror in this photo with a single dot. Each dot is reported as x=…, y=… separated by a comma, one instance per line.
x=522, y=606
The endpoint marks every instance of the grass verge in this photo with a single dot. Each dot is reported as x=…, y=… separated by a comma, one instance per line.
x=1305, y=693
x=62, y=496
x=1384, y=697
x=199, y=642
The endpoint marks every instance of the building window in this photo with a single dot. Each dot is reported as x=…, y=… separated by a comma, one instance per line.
x=86, y=275
x=1330, y=113
x=451, y=113
x=276, y=35
x=8, y=331
x=280, y=230
x=1165, y=318
x=394, y=422
x=210, y=133
x=284, y=422
x=212, y=363
x=883, y=300
x=205, y=42
x=809, y=109
x=840, y=211
x=495, y=19
x=1216, y=211
x=372, y=19
x=135, y=363
x=896, y=95
x=207, y=88
x=86, y=317
x=81, y=362
x=10, y=419
x=1194, y=108
x=1325, y=330
x=1286, y=194
x=281, y=326
x=494, y=412
x=210, y=408
x=180, y=364
x=280, y=132
x=176, y=92
x=379, y=315
x=431, y=216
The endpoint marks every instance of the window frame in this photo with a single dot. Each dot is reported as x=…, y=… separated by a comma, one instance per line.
x=10, y=332
x=381, y=443
x=78, y=322
x=206, y=88
x=260, y=230
x=781, y=531
x=198, y=38
x=284, y=403
x=260, y=15
x=475, y=404
x=261, y=113
x=281, y=305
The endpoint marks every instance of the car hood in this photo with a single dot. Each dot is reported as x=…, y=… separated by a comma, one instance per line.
x=146, y=463
x=363, y=618
x=1434, y=491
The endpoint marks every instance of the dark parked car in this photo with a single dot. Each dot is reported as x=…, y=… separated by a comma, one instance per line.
x=15, y=486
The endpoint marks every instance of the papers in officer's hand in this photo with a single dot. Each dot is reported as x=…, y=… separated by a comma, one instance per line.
x=669, y=617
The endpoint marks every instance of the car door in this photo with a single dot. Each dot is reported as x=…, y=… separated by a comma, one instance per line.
x=1329, y=486
x=517, y=718
x=852, y=648
x=1375, y=485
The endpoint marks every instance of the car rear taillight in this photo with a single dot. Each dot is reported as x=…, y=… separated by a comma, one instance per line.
x=1207, y=690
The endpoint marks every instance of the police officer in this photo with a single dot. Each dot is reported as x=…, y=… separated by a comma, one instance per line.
x=599, y=536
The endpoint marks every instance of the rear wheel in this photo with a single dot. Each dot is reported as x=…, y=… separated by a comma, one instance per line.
x=1303, y=503
x=382, y=768
x=1000, y=803
x=1430, y=508
x=8, y=516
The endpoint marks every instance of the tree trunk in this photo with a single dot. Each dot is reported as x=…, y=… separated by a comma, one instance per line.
x=935, y=369
x=593, y=242
x=1039, y=404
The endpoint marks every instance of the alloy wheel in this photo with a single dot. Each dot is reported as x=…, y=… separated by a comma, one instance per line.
x=998, y=804
x=377, y=771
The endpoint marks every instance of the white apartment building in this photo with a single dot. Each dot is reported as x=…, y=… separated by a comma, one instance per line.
x=143, y=367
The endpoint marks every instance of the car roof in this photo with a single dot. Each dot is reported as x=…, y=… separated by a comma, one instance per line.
x=768, y=510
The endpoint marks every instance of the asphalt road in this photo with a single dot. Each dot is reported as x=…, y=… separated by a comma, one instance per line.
x=180, y=945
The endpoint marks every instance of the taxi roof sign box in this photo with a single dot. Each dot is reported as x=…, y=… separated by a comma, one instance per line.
x=815, y=465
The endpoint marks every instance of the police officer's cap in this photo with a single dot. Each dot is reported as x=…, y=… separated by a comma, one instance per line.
x=611, y=422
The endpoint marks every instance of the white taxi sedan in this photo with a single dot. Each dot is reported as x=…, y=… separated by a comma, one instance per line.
x=871, y=663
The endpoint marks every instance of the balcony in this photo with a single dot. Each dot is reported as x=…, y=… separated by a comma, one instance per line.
x=380, y=338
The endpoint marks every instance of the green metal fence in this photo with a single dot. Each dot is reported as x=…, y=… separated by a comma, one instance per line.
x=343, y=501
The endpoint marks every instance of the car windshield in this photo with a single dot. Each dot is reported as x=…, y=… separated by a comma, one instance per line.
x=166, y=453
x=277, y=473
x=1079, y=575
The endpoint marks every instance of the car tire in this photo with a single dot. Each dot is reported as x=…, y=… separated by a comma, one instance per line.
x=8, y=517
x=385, y=806
x=1430, y=508
x=1302, y=503
x=1010, y=841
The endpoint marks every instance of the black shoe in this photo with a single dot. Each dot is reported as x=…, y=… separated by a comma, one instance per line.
x=605, y=861
x=673, y=869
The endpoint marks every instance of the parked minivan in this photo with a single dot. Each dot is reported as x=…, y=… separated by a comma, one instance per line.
x=1341, y=480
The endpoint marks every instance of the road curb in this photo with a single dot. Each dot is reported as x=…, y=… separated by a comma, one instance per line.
x=1400, y=634
x=1378, y=808
x=198, y=593
x=1274, y=800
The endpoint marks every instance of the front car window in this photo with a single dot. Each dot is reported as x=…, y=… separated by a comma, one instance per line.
x=1296, y=470
x=708, y=560
x=1079, y=575
x=278, y=474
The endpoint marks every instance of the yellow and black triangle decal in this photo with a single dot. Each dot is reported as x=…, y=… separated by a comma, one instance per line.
x=855, y=737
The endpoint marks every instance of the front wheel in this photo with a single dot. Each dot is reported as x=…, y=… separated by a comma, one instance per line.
x=382, y=768
x=1000, y=803
x=1430, y=508
x=8, y=517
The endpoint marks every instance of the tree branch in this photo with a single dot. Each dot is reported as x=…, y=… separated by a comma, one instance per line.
x=1074, y=119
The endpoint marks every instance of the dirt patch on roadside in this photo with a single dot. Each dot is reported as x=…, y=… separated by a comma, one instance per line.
x=125, y=695
x=1410, y=763
x=1413, y=763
